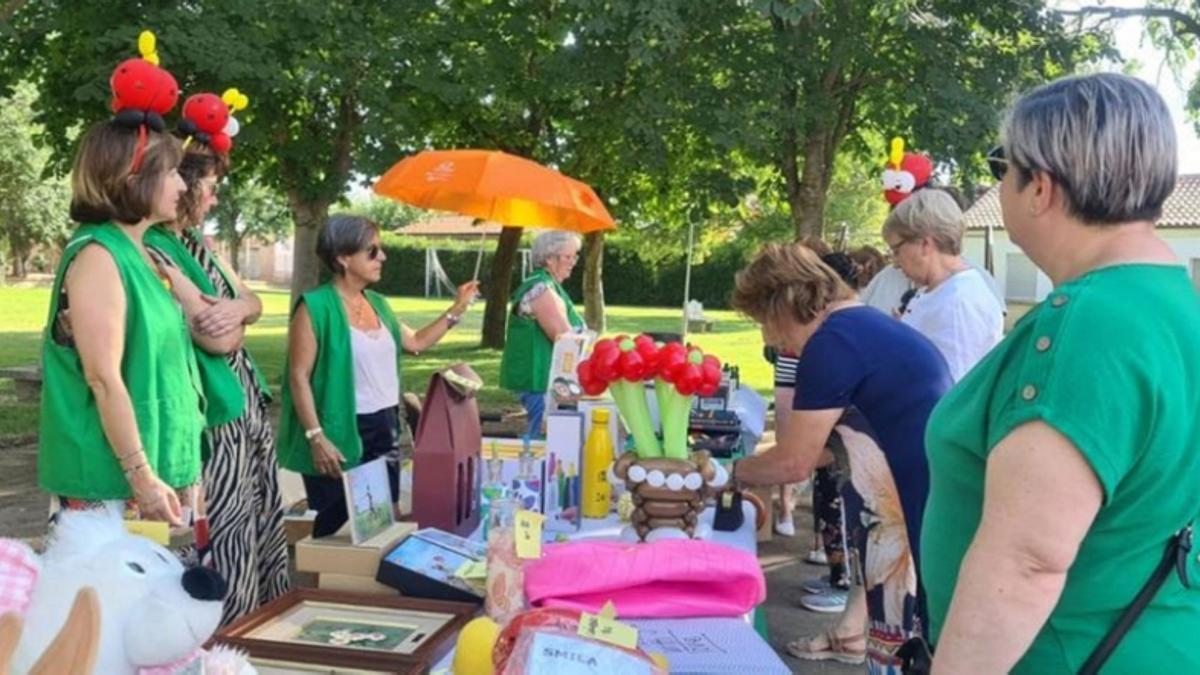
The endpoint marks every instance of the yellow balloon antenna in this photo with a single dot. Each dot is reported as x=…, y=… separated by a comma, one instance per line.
x=235, y=99
x=147, y=46
x=897, y=152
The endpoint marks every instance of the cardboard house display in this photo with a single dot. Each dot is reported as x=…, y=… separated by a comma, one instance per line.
x=446, y=464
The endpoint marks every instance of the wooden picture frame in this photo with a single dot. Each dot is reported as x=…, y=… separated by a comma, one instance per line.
x=405, y=615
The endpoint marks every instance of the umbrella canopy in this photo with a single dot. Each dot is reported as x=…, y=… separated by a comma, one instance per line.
x=495, y=186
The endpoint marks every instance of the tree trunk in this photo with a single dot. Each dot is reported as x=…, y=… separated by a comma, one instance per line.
x=308, y=215
x=235, y=254
x=808, y=200
x=495, y=313
x=18, y=261
x=593, y=281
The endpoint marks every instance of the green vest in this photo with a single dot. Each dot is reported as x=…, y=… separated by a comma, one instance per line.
x=157, y=367
x=525, y=365
x=222, y=389
x=332, y=380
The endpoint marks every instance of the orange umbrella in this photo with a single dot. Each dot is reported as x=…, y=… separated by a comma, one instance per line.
x=495, y=186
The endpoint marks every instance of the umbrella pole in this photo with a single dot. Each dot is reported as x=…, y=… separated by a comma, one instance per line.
x=687, y=278
x=479, y=255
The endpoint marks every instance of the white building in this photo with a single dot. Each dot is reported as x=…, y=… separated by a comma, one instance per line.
x=1024, y=284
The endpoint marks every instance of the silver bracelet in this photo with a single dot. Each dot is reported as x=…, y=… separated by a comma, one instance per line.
x=452, y=319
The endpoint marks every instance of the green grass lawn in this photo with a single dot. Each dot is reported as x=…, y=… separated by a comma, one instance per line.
x=734, y=340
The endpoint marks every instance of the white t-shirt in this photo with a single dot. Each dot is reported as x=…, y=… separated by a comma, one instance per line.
x=961, y=316
x=376, y=384
x=885, y=290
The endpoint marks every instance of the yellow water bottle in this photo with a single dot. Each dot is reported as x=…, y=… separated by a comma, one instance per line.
x=597, y=455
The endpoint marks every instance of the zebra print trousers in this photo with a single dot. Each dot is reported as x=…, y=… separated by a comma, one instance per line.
x=245, y=511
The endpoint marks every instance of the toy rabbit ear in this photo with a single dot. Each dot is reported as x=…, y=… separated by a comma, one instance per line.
x=10, y=636
x=75, y=647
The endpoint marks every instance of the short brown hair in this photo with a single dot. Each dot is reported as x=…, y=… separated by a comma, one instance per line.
x=102, y=186
x=869, y=261
x=199, y=162
x=787, y=280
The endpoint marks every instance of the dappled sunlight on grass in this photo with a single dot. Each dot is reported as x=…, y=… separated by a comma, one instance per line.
x=733, y=339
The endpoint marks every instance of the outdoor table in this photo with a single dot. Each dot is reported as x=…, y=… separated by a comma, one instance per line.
x=609, y=529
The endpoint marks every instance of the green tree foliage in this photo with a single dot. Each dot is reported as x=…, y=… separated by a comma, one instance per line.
x=33, y=207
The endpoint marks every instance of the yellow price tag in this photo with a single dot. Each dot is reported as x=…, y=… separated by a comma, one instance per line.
x=529, y=534
x=157, y=531
x=609, y=610
x=472, y=569
x=608, y=630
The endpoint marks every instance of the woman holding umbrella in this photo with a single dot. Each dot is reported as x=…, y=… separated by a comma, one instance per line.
x=541, y=312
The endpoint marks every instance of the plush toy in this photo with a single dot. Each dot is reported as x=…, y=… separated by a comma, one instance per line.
x=906, y=173
x=154, y=613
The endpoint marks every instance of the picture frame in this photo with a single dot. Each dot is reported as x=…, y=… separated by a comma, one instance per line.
x=368, y=500
x=335, y=629
x=425, y=567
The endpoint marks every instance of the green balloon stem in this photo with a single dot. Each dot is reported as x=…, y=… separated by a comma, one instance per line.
x=631, y=401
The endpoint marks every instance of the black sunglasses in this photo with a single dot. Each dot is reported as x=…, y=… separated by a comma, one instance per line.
x=373, y=251
x=997, y=162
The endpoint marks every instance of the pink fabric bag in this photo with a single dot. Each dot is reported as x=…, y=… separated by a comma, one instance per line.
x=665, y=579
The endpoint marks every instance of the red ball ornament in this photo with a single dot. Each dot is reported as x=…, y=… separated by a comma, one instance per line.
x=208, y=112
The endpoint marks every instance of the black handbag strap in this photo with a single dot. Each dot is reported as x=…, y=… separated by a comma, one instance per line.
x=1175, y=557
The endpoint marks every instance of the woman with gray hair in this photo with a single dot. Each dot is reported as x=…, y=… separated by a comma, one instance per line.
x=341, y=395
x=1064, y=468
x=954, y=305
x=541, y=311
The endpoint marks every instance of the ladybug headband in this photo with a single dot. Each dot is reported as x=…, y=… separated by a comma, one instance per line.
x=906, y=172
x=142, y=93
x=209, y=120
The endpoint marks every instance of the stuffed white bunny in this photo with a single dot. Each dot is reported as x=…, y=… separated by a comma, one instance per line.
x=154, y=613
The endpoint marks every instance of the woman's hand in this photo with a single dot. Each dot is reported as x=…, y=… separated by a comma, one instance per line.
x=155, y=499
x=220, y=317
x=465, y=296
x=327, y=459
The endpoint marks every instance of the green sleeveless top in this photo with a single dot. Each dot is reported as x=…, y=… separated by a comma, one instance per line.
x=525, y=364
x=222, y=390
x=158, y=368
x=332, y=380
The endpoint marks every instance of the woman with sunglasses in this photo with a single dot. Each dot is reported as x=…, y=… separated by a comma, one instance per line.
x=541, y=312
x=341, y=395
x=1064, y=464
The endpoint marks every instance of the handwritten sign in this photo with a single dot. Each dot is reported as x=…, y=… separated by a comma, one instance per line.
x=606, y=629
x=472, y=569
x=529, y=535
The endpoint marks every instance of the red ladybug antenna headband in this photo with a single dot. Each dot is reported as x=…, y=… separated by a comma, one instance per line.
x=142, y=93
x=210, y=120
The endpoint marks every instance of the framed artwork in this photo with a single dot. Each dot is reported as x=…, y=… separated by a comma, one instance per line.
x=368, y=500
x=331, y=630
x=277, y=667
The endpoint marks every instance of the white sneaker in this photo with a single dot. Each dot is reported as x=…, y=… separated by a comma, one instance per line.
x=785, y=527
x=816, y=557
x=832, y=601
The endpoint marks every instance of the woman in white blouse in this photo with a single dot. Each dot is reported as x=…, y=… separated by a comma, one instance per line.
x=955, y=305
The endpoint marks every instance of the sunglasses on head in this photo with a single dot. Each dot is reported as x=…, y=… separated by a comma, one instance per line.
x=997, y=162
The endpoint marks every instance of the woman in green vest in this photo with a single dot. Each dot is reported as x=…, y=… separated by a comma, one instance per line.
x=541, y=311
x=341, y=395
x=121, y=410
x=240, y=475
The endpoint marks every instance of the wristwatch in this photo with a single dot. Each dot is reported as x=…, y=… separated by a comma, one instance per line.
x=452, y=319
x=310, y=434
